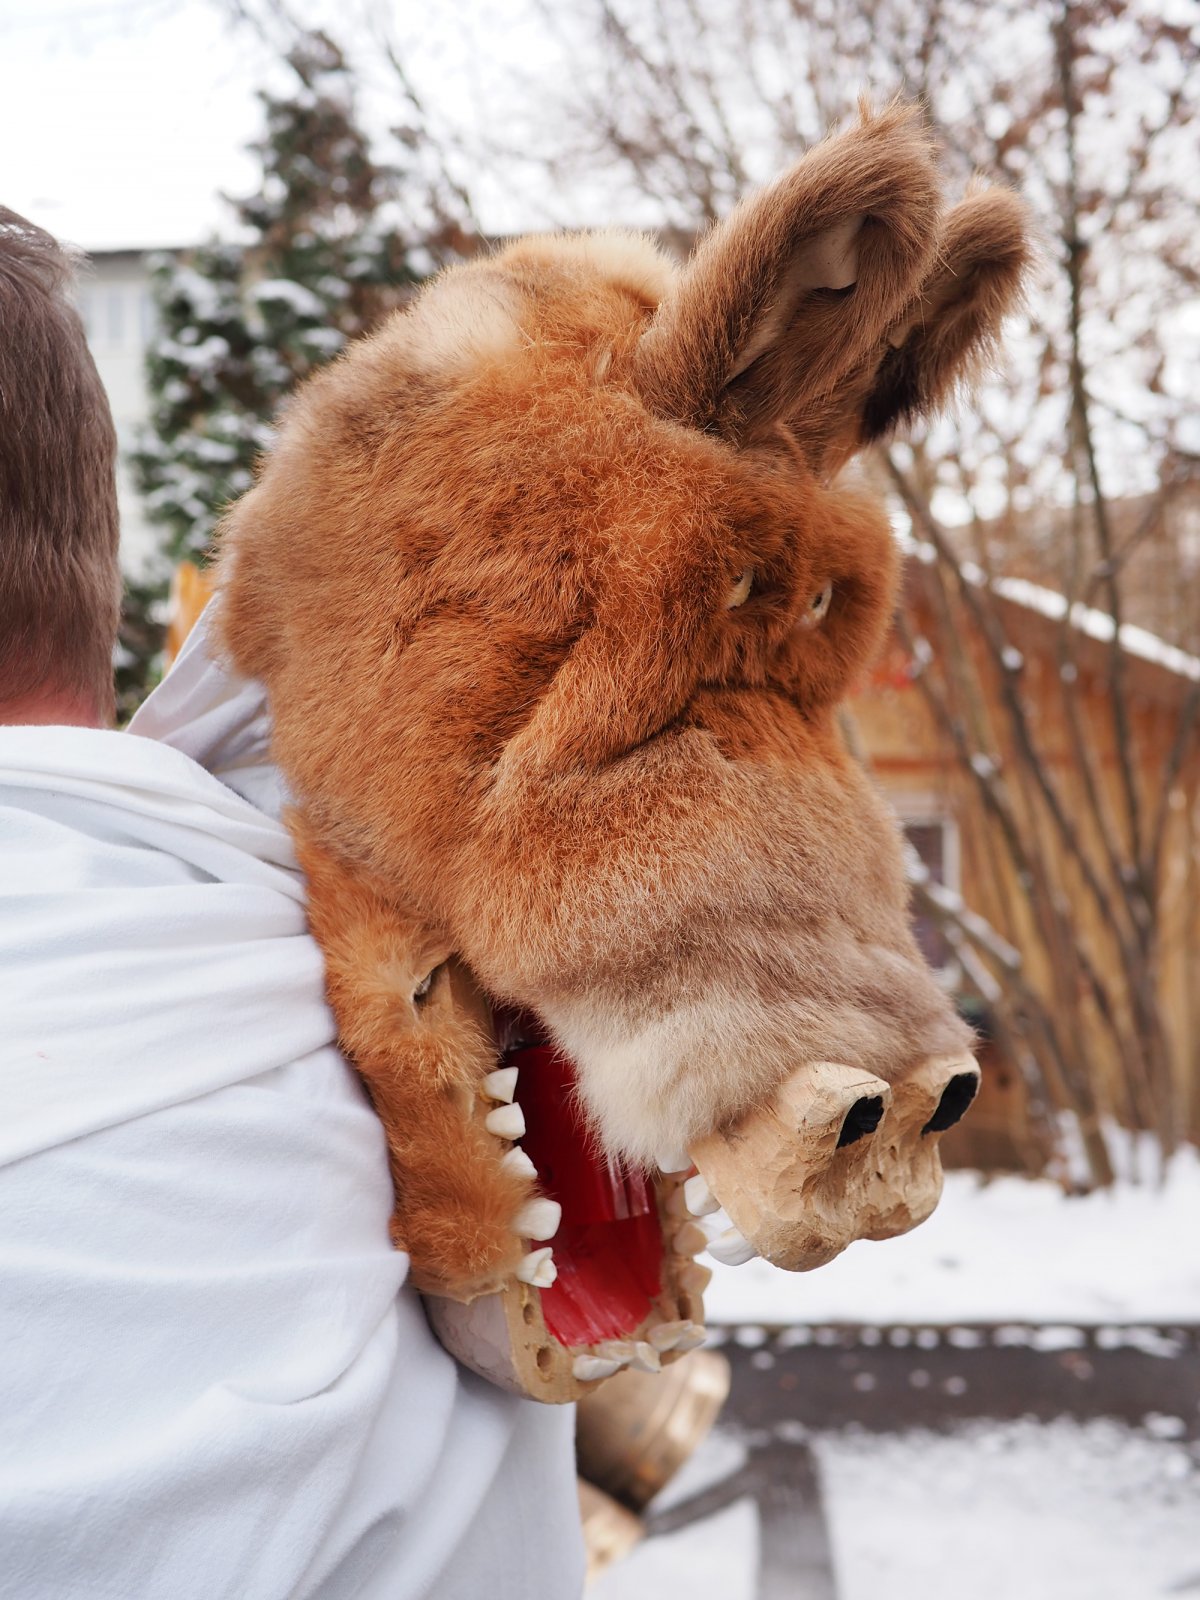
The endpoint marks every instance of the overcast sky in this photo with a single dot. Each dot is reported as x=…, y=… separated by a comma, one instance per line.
x=121, y=121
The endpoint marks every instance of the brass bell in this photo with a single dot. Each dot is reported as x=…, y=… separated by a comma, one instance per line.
x=632, y=1437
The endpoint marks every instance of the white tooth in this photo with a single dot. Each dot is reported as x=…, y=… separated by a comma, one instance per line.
x=517, y=1161
x=538, y=1268
x=645, y=1357
x=716, y=1222
x=631, y=1353
x=701, y=1201
x=694, y=1278
x=539, y=1218
x=618, y=1350
x=589, y=1368
x=507, y=1121
x=691, y=1337
x=501, y=1084
x=672, y=1160
x=689, y=1240
x=732, y=1248
x=668, y=1334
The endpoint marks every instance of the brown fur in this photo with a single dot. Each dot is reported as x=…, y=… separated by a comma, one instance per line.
x=484, y=576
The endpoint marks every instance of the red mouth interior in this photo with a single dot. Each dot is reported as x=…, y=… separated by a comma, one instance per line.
x=609, y=1247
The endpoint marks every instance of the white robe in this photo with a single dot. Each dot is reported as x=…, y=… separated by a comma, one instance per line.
x=213, y=1381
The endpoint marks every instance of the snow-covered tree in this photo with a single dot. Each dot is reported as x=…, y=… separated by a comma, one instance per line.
x=322, y=254
x=208, y=377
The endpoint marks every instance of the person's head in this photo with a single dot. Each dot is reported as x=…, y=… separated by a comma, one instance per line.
x=60, y=586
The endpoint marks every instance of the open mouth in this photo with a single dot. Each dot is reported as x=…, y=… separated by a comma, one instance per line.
x=625, y=1290
x=610, y=1280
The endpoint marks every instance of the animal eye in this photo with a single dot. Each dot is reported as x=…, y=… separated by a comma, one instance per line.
x=741, y=590
x=423, y=989
x=817, y=607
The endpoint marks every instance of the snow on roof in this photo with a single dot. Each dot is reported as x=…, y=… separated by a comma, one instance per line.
x=1135, y=641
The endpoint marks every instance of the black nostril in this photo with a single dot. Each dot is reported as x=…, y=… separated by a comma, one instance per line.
x=956, y=1097
x=861, y=1119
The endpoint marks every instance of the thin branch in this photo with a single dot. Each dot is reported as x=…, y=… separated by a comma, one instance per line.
x=1075, y=250
x=986, y=623
x=1185, y=734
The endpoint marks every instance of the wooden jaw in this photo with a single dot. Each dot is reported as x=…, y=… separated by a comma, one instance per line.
x=838, y=1155
x=504, y=1336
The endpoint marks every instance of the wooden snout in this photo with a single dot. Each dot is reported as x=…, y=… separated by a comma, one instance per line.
x=837, y=1155
x=909, y=1172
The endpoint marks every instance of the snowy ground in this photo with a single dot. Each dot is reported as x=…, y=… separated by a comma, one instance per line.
x=1008, y=1250
x=993, y=1511
x=1090, y=1511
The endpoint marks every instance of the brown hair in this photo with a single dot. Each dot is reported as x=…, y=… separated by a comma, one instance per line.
x=60, y=585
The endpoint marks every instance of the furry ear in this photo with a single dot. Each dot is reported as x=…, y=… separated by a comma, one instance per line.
x=797, y=286
x=954, y=325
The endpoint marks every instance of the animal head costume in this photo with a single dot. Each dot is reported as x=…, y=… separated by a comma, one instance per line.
x=555, y=592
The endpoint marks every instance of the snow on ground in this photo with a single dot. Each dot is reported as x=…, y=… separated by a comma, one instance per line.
x=716, y=1559
x=1058, y=1511
x=1005, y=1250
x=991, y=1511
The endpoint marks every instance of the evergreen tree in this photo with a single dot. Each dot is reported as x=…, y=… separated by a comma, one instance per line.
x=322, y=258
x=209, y=380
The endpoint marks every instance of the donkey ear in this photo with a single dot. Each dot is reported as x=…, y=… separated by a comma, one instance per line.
x=953, y=328
x=797, y=286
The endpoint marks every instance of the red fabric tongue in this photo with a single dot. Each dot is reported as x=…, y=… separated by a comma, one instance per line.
x=608, y=1248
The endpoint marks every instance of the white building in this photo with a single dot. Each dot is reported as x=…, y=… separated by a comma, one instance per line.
x=118, y=312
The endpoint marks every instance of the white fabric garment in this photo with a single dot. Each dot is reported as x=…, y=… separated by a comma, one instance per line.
x=213, y=1382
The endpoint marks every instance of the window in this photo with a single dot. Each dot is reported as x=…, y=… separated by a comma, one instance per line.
x=935, y=840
